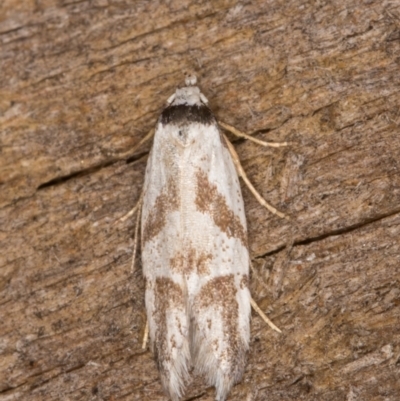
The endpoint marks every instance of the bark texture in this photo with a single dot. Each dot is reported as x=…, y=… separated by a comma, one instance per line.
x=83, y=81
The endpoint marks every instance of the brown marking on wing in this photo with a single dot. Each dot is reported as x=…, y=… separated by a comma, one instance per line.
x=202, y=263
x=177, y=263
x=188, y=260
x=220, y=293
x=209, y=200
x=166, y=202
x=168, y=296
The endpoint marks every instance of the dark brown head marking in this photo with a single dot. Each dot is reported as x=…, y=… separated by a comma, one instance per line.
x=184, y=114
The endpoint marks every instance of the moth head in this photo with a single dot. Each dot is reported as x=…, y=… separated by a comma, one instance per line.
x=189, y=95
x=190, y=80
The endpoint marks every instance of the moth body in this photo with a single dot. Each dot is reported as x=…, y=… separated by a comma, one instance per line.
x=194, y=249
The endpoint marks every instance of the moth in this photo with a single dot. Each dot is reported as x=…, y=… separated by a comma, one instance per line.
x=194, y=247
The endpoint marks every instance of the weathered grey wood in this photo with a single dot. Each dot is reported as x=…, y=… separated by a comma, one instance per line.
x=83, y=81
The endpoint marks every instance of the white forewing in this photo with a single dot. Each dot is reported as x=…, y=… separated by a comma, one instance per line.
x=194, y=250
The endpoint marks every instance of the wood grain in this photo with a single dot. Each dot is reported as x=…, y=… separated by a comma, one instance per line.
x=83, y=81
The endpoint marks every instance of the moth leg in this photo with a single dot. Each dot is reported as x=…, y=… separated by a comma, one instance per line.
x=242, y=174
x=241, y=134
x=139, y=202
x=132, y=211
x=145, y=335
x=263, y=316
x=141, y=142
x=145, y=139
x=137, y=208
x=137, y=225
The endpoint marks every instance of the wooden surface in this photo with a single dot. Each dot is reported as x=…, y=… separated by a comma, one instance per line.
x=83, y=81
